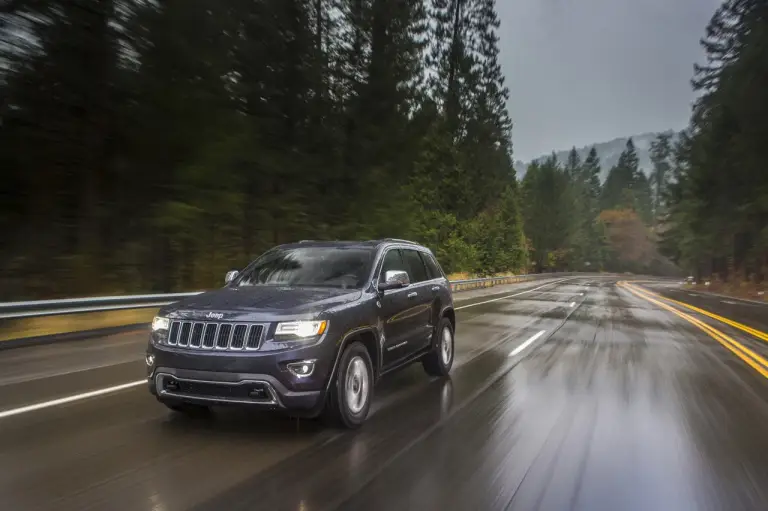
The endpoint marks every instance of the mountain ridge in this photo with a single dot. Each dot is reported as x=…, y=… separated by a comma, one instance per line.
x=608, y=151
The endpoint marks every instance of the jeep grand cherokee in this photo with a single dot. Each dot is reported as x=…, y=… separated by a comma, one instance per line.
x=308, y=328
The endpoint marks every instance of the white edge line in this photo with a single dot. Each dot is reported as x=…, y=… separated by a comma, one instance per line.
x=70, y=399
x=507, y=296
x=572, y=304
x=526, y=343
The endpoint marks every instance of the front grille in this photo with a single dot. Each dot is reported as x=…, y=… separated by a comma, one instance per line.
x=203, y=335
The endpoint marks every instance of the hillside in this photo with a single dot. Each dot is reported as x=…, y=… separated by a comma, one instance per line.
x=608, y=151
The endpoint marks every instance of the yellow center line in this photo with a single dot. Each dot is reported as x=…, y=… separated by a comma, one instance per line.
x=754, y=360
x=735, y=324
x=709, y=328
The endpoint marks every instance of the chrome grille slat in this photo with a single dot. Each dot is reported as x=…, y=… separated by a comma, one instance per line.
x=220, y=336
x=222, y=339
x=186, y=330
x=173, y=336
x=253, y=341
x=238, y=337
x=209, y=335
x=196, y=339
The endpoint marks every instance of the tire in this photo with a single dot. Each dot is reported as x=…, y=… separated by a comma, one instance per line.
x=439, y=361
x=187, y=409
x=348, y=407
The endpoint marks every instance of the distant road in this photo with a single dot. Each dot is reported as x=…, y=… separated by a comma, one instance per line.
x=570, y=394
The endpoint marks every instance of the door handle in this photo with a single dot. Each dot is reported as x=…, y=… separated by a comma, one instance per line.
x=412, y=294
x=436, y=289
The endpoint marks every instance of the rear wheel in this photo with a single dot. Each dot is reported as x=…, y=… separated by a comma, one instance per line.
x=438, y=362
x=351, y=392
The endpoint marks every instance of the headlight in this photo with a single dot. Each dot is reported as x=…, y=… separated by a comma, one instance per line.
x=301, y=329
x=160, y=323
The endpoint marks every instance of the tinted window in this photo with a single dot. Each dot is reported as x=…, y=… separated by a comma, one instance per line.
x=310, y=266
x=433, y=270
x=393, y=262
x=416, y=269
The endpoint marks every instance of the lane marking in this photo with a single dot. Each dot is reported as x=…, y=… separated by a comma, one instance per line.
x=752, y=359
x=526, y=343
x=70, y=399
x=572, y=304
x=735, y=324
x=510, y=296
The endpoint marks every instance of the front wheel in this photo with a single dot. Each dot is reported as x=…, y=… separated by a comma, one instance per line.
x=438, y=362
x=351, y=392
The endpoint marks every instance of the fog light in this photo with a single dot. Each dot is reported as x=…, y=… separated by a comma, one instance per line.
x=302, y=369
x=150, y=360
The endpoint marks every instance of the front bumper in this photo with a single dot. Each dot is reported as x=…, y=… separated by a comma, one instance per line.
x=250, y=379
x=215, y=388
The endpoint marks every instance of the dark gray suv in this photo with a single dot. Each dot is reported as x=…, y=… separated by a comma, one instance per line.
x=307, y=328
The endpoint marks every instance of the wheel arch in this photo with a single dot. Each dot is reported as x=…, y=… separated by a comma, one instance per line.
x=369, y=338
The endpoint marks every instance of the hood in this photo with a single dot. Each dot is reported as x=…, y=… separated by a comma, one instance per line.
x=264, y=299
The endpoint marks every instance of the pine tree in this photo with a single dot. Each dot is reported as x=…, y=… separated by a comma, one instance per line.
x=573, y=165
x=467, y=85
x=488, y=132
x=718, y=204
x=452, y=62
x=591, y=170
x=641, y=189
x=617, y=189
x=595, y=234
x=577, y=198
x=661, y=152
x=547, y=213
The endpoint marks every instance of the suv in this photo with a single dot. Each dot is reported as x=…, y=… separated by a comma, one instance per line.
x=307, y=328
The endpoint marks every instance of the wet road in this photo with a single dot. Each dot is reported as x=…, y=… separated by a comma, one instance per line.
x=575, y=395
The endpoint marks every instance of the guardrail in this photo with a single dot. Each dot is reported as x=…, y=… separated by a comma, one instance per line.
x=30, y=322
x=38, y=308
x=11, y=310
x=463, y=285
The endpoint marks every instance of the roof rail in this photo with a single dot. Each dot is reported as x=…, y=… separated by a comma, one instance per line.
x=400, y=241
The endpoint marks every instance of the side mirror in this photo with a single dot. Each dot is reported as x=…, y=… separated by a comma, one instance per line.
x=231, y=275
x=394, y=280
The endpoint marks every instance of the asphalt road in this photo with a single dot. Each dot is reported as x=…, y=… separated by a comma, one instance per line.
x=616, y=404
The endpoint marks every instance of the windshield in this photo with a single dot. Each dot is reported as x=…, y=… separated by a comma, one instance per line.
x=345, y=268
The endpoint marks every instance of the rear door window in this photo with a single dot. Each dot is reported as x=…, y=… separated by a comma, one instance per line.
x=433, y=270
x=416, y=269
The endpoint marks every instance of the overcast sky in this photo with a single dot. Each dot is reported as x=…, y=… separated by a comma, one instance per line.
x=584, y=71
